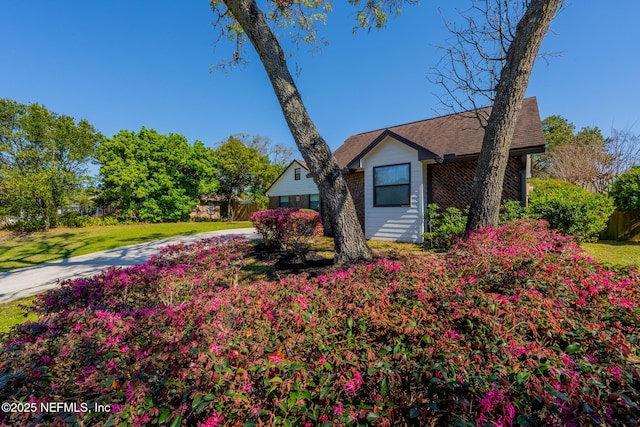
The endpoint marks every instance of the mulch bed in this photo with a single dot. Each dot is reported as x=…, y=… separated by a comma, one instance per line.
x=284, y=263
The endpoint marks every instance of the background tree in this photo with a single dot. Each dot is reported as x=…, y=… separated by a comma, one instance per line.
x=279, y=155
x=84, y=198
x=492, y=58
x=243, y=18
x=624, y=148
x=626, y=190
x=473, y=57
x=582, y=160
x=243, y=172
x=585, y=158
x=152, y=177
x=203, y=169
x=557, y=130
x=42, y=158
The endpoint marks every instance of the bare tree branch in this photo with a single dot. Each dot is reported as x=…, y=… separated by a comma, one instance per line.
x=473, y=57
x=486, y=191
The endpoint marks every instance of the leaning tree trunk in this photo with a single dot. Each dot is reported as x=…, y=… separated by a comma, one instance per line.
x=487, y=185
x=350, y=244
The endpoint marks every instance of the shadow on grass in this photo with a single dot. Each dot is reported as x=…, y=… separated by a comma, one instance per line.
x=29, y=257
x=61, y=252
x=142, y=238
x=15, y=313
x=68, y=235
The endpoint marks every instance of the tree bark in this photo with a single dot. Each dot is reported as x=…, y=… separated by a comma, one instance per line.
x=487, y=185
x=350, y=244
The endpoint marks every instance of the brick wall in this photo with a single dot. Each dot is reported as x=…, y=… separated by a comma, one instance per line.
x=450, y=183
x=300, y=201
x=355, y=182
x=273, y=202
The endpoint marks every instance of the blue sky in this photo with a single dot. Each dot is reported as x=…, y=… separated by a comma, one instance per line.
x=125, y=64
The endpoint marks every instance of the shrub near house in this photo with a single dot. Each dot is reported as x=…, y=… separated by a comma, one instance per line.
x=288, y=229
x=565, y=206
x=626, y=190
x=514, y=326
x=569, y=208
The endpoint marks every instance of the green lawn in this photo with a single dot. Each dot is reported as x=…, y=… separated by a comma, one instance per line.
x=612, y=252
x=11, y=314
x=25, y=250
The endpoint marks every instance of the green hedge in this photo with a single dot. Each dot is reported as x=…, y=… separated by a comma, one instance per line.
x=569, y=208
x=565, y=206
x=626, y=190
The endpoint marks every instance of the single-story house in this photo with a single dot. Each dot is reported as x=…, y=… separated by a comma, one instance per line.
x=294, y=188
x=394, y=172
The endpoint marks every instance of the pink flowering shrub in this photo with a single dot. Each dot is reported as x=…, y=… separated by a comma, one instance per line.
x=514, y=326
x=267, y=223
x=171, y=277
x=289, y=229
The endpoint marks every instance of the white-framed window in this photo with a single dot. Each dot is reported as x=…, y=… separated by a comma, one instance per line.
x=314, y=202
x=392, y=185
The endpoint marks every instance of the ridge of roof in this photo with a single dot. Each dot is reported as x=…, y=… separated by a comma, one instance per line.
x=441, y=135
x=473, y=110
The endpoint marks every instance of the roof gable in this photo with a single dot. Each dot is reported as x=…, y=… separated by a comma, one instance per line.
x=423, y=153
x=293, y=164
x=447, y=137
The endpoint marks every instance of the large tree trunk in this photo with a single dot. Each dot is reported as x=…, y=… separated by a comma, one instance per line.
x=514, y=79
x=350, y=244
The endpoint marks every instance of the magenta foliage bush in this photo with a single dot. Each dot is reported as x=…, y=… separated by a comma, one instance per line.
x=169, y=278
x=289, y=229
x=514, y=326
x=266, y=223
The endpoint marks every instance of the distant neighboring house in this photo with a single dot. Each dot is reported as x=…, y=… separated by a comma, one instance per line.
x=394, y=172
x=209, y=207
x=214, y=207
x=294, y=188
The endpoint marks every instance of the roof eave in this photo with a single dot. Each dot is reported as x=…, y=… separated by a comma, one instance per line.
x=513, y=152
x=423, y=153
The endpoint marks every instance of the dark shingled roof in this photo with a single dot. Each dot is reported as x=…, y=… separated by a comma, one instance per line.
x=449, y=137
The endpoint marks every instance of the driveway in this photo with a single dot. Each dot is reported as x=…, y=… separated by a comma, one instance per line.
x=24, y=282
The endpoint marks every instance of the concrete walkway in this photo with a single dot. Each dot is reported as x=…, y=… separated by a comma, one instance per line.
x=24, y=282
